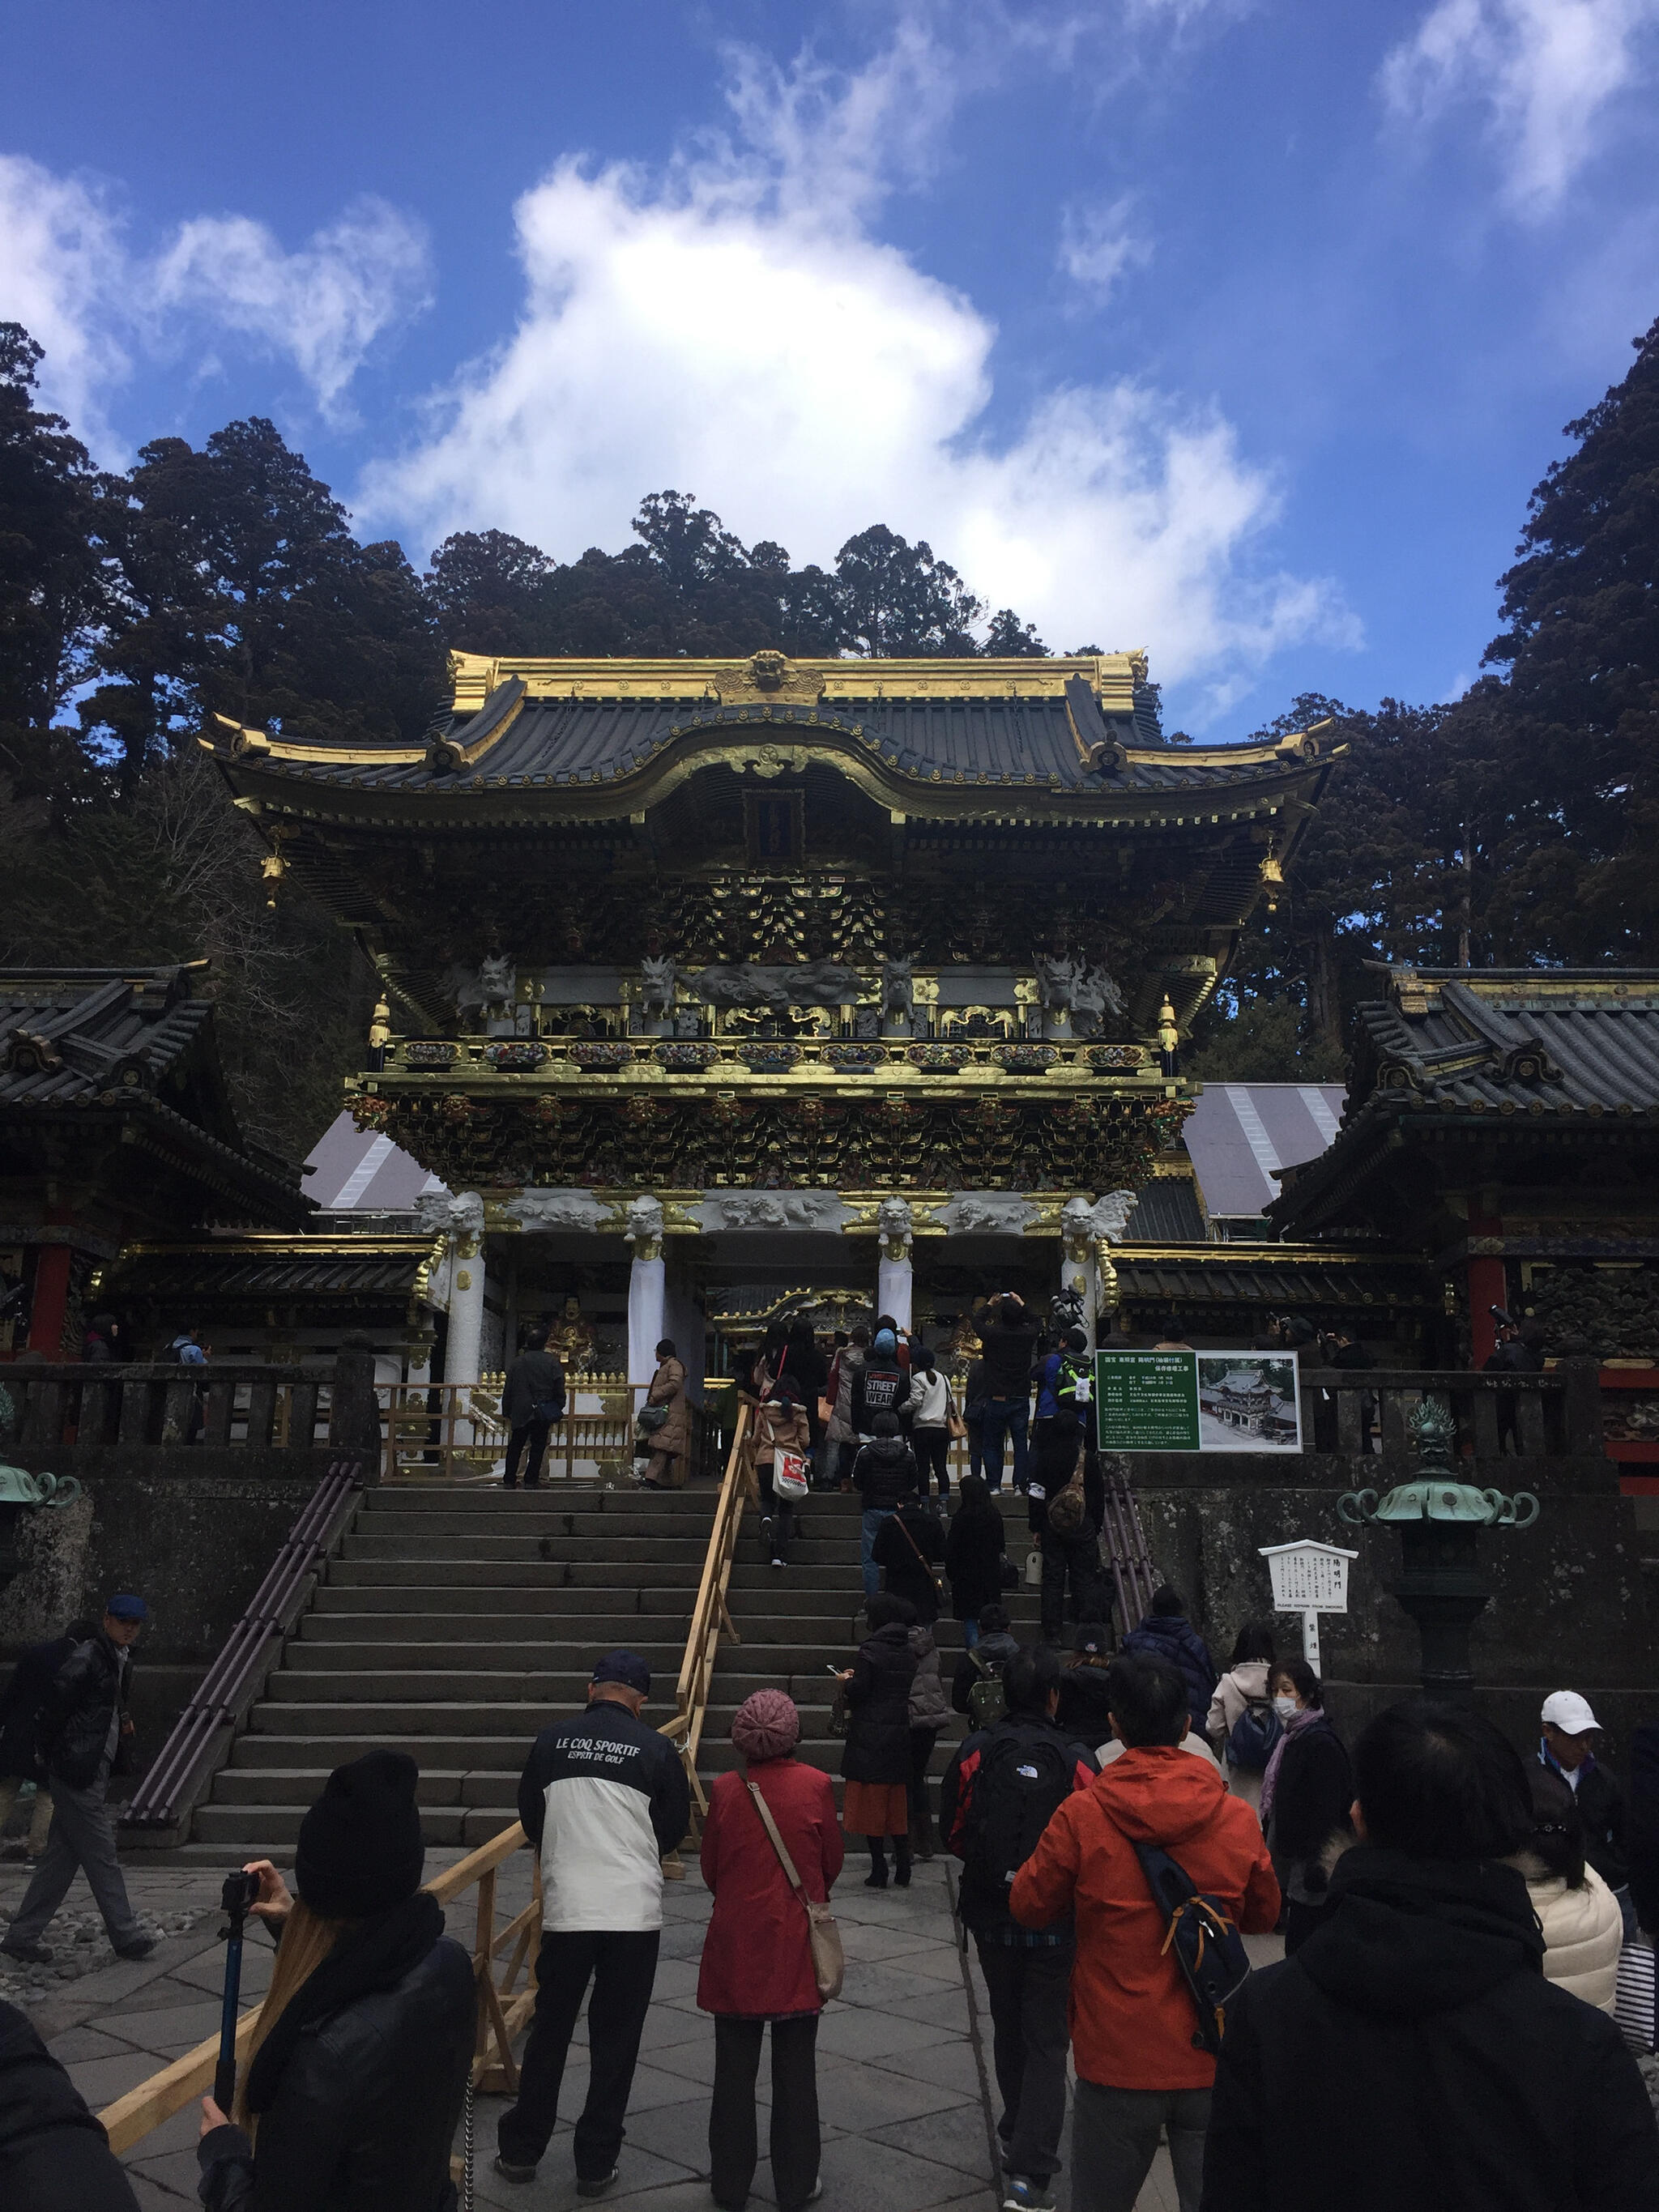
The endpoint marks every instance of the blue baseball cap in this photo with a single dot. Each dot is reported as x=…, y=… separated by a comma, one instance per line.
x=885, y=1340
x=626, y=1668
x=124, y=1605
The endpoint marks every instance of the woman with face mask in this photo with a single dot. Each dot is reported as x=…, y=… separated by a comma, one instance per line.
x=1306, y=1793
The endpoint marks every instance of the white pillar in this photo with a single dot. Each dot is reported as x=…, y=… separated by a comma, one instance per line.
x=647, y=1289
x=647, y=1300
x=466, y=1289
x=1088, y=1231
x=895, y=1276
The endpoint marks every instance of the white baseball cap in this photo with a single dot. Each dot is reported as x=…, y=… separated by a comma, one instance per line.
x=1567, y=1710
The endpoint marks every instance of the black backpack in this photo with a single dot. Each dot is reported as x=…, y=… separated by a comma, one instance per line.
x=987, y=1698
x=1025, y=1776
x=1205, y=1938
x=1253, y=1736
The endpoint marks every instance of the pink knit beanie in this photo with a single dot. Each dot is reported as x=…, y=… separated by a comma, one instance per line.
x=766, y=1725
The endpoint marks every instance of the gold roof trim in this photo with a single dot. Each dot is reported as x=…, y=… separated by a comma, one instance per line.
x=1113, y=676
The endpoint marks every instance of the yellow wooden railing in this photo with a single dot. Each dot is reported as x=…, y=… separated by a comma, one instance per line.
x=504, y=2009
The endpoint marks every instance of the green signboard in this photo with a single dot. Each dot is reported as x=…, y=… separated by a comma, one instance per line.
x=1146, y=1400
x=1189, y=1401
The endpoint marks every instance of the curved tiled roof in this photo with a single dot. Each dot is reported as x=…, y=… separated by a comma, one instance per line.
x=1529, y=1048
x=978, y=741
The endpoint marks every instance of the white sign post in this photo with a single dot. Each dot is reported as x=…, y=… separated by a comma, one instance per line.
x=1309, y=1578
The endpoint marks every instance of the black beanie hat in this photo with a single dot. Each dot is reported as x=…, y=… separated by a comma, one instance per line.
x=359, y=1848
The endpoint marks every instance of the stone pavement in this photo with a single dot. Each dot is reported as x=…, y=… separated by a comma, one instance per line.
x=903, y=2086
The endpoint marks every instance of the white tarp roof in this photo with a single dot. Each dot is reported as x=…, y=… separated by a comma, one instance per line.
x=1238, y=1132
x=352, y=1170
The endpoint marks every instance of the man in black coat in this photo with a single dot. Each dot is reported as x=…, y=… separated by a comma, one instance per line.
x=21, y=1709
x=532, y=1400
x=1027, y=1971
x=1008, y=1341
x=1411, y=2053
x=84, y=1728
x=1568, y=1747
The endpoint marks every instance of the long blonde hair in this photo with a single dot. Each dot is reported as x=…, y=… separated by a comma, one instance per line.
x=307, y=1940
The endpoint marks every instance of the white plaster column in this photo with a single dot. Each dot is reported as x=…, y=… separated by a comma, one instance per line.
x=647, y=1289
x=895, y=1276
x=464, y=1341
x=1087, y=1232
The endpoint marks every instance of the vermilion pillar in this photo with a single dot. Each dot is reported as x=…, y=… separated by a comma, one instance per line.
x=1488, y=1286
x=51, y=1301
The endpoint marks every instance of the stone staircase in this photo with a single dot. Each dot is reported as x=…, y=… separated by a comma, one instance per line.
x=797, y=1621
x=457, y=1622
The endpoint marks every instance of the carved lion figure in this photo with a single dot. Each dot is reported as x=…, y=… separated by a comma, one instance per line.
x=893, y=1225
x=657, y=997
x=897, y=990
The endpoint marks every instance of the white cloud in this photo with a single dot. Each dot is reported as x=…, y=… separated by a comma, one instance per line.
x=1545, y=71
x=735, y=329
x=322, y=307
x=61, y=258
x=1097, y=246
x=68, y=275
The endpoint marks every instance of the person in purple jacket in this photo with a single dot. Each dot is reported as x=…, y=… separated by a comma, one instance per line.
x=1166, y=1633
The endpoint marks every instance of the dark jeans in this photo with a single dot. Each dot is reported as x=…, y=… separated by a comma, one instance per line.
x=1028, y=1990
x=622, y=1967
x=1078, y=1558
x=1010, y=1416
x=533, y=1433
x=781, y=1511
x=974, y=1421
x=932, y=1450
x=1115, y=2135
x=732, y=2144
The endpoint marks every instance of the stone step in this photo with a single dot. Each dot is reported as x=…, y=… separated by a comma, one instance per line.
x=546, y=1599
x=242, y=1830
x=438, y=1785
x=311, y=1657
x=739, y=1672
x=580, y=1497
x=317, y=1756
x=628, y=1556
x=577, y=1575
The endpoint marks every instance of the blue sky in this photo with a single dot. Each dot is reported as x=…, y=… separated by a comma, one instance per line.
x=1237, y=331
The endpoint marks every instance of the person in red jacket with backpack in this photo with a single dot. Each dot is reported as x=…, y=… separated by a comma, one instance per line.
x=997, y=1796
x=1135, y=2028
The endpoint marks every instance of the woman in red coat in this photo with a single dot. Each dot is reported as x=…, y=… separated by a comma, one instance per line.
x=757, y=1956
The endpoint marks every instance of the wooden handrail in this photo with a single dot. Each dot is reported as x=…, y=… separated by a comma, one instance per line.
x=501, y=2012
x=711, y=1612
x=503, y=2008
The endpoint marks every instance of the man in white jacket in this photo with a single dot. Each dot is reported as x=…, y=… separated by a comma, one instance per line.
x=602, y=1797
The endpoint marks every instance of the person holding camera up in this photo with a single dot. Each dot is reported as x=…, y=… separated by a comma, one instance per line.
x=356, y=2069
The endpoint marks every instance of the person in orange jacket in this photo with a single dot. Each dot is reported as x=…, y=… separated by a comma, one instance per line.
x=1138, y=2069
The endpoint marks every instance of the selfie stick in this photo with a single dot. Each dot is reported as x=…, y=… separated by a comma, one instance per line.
x=234, y=1901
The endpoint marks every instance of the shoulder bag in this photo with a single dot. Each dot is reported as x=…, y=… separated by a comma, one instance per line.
x=955, y=1427
x=926, y=1565
x=829, y=1960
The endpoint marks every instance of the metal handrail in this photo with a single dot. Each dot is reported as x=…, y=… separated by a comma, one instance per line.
x=1132, y=1571
x=165, y=1795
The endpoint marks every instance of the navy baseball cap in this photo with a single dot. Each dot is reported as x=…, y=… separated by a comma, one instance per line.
x=124, y=1605
x=626, y=1668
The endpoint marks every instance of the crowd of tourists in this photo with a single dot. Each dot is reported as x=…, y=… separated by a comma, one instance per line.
x=1469, y=1933
x=1469, y=1963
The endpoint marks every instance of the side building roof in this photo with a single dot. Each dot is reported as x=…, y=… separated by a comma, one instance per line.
x=1513, y=1053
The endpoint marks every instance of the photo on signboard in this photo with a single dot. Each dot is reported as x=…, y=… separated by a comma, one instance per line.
x=1249, y=1402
